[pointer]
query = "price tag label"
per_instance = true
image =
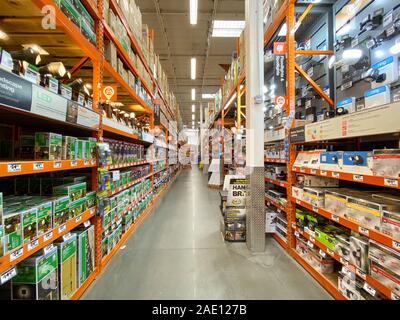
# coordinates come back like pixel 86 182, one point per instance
pixel 33 245
pixel 343 261
pixel 354 42
pixel 313 171
pixel 312 239
pixel 322 253
pixel 302 170
pixel 86 224
pixel 279 210
pixel 8 275
pixel 14 167
pixel 394 183
pixel 48 236
pixel 369 289
pixel 282 184
pixel 396 245
pixel 297 235
pixel 336 175
pixel 111 167
pixel 37 166
pixel 16 254
pixel 67 236
pixel 363 231
pixel 298 201
pixel 361 274
pixel 86 162
pixel 335 218
pixel 57 164
pixel 62 228
pixel 324 173
pixel 78 219
pixel 330 252
pixel 310 244
pixel 395 296
pixel 48 249
pixel 315 209
pixel 74 163
pixel 294 225
pixel 358 177
pixel 93 162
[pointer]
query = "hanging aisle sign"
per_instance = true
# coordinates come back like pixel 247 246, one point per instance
pixel 109 93
pixel 237 193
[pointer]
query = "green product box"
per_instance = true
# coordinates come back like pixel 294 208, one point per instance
pixel 113 214
pixel 106 219
pixel 67 271
pixel 124 178
pixel 87 30
pixel 69 9
pixel 83 12
pixel 114 202
pixel 120 209
pixel 68 148
pixel 126 222
pixel 91 151
pixel 36 277
pixel 60 211
pixel 48 146
pixel 85 262
pixel 80 149
pixel 87 155
pixel 75 191
pixel 327 235
pixel 91 199
pixel 29 223
pixel 104 246
pixel 12 229
pixel 44 217
pixel 77 207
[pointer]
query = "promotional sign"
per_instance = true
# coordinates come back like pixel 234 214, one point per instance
pixel 109 93
pixel 280 101
pixel 297 135
pixel 48 104
pixel 280 77
pixel 279 48
pixel 14 91
pixel 237 193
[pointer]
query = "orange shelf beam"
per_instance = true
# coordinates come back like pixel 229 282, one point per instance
pixel 126 165
pixel 128 185
pixel 275 160
pixel 17 168
pixel 10 260
pixel 85 285
pixel 279 183
pixel 281 242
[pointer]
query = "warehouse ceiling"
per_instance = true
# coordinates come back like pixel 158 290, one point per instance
pixel 177 41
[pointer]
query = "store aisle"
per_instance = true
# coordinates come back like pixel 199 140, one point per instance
pixel 178 253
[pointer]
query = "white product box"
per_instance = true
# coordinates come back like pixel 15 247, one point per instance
pixel 270 221
pixel 388 66
pixel 316 181
pixel 331 160
pixel 377 97
pixel 348 104
pixel 336 202
pixel 314 196
pixel 298 193
pixel 386 163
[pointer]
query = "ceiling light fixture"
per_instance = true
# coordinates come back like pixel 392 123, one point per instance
pixel 193 116
pixel 29 55
pixel 208 96
pixel 3 35
pixel 193 108
pixel 193 94
pixel 193 11
pixel 37 48
pixel 193 68
pixel 228 28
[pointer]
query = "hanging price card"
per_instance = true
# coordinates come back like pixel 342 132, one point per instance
pixel 363 231
pixel 312 239
pixel 13 167
pixel 296 234
pixel 315 209
pixel 16 254
pixel 322 253
pixel 37 166
pixel 302 170
pixel 369 289
pixel 57 164
pixel 8 275
pixel 86 162
pixel 48 249
pixel 358 177
pixel 391 183
pixel 86 223
pixel 361 274
pixel 33 245
pixel 310 244
pixel 67 236
pixel 298 201
pixel 313 171
pixel 330 252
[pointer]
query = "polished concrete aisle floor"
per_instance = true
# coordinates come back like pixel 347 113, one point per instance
pixel 178 253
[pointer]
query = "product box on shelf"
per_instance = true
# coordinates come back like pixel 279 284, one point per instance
pixel 331 160
pixel 67 271
pixel 386 163
pixel 348 104
pixel 60 210
pixel 77 207
pixel 357 162
pixel 44 216
pixel 390 223
pixel 314 159
pixel 314 196
pixel 90 199
pixel 312 256
pixel 377 97
pixel 75 191
pixel 342 246
pixel 385 276
pixel 85 241
pixel 327 235
pixel 48 146
pixel 68 148
pixel 1 226
pixel 297 192
pixel 29 223
pixel 359 252
pixel 12 225
pixel 80 149
pixel 66 91
pixel 348 287
pixel 336 201
pixel 385 256
pixel 36 277
pixel 270 220
pixel 300 218
pixel 316 181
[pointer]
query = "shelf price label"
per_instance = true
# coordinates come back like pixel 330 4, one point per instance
pixel 336 175
pixel 335 218
pixel 78 219
pixel 394 183
pixel 324 173
pixel 369 289
pixel 33 244
pixel 330 252
pixel 86 223
pixel 86 162
pixel 363 231
pixel 57 164
pixel 37 166
pixel 322 253
pixel 93 162
pixel 344 261
pixel 396 245
pixel 297 234
pixel 48 236
pixel 361 274
pixel 313 171
pixel 16 254
pixel 395 296
pixel 302 170
pixel 74 163
pixel 312 240
pixel 8 275
pixel 358 177
pixel 48 249
pixel 279 210
pixel 62 228
pixel 67 236
pixel 282 184
pixel 14 167
pixel 310 244
pixel 298 201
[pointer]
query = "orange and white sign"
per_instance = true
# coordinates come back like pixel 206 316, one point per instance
pixel 280 48
pixel 280 101
pixel 109 93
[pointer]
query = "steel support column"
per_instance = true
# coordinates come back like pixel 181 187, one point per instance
pixel 255 204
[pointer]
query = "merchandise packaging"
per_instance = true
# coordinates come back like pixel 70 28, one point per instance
pixel 68 148
pixel 12 224
pixel 314 160
pixel 386 163
pixel 85 263
pixel 385 276
pixel 26 147
pixel 314 196
pixel 67 271
pixel 31 73
pixel 75 191
pixel 316 181
pixel 342 246
pixel 270 221
pixel 1 226
pixel 6 60
pixel 297 192
pixel 44 217
pixel 389 67
pixel 386 257
pixel 359 252
pixel 390 224
pixel 77 207
pixel 377 97
pixel 48 146
pixel 300 218
pixel 348 287
pixel 312 256
pixel 66 91
pixel 91 199
pixel 331 160
pixel 60 211
pixel 327 235
pixel 80 149
pixel 36 277
pixel 357 162
pixel 348 104
pixel 336 201
pixel 29 223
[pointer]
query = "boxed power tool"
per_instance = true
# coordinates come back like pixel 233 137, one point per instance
pixel 385 276
pixel 29 223
pixel 77 207
pixel 67 271
pixel 357 162
pixel 36 277
pixel 331 160
pixel 48 146
pixel 315 181
pixel 348 286
pixel 327 235
pixel 377 97
pixel 359 252
pixel 323 265
pixel 336 201
pixel 91 199
pixel 68 148
pixel 314 196
pixel 85 264
pixel 75 191
pixel 346 106
pixel 60 210
pixel 342 246
pixel 385 256
pixel 390 223
pixel 12 225
pixel 386 163
pixel 44 216
pixel 298 192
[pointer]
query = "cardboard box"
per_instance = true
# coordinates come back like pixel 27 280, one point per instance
pixel 390 223
pixel 331 160
pixel 68 148
pixel 386 163
pixel 12 226
pixel 44 217
pixel 386 257
pixel 85 262
pixel 359 252
pixel 314 196
pixel 75 191
pixel 67 271
pixel 36 277
pixel 297 192
pixel 316 181
pixel 29 223
pixel 77 207
pixel 357 162
pixel 336 201
pixel 48 146
pixel 60 211
pixel 385 276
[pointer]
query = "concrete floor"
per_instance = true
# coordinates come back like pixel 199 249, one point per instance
pixel 178 253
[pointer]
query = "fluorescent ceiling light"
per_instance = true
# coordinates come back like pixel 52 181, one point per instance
pixel 208 96
pixel 193 12
pixel 193 116
pixel 351 56
pixel 193 94
pixel 193 108
pixel 265 89
pixel 228 28
pixel 193 68
pixel 283 30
